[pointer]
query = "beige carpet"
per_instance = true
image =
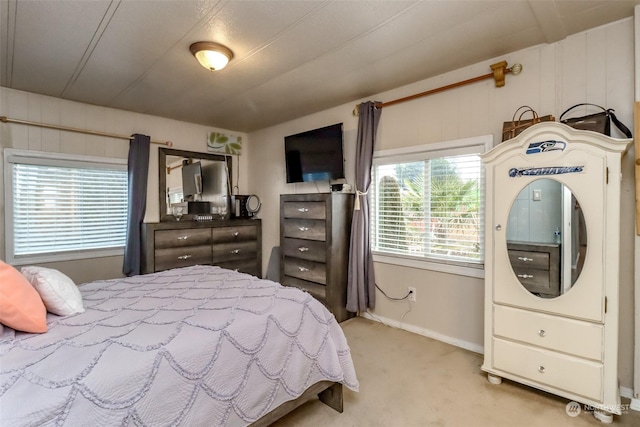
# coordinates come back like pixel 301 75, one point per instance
pixel 408 380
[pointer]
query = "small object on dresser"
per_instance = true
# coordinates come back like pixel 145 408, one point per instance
pixel 515 127
pixel 598 122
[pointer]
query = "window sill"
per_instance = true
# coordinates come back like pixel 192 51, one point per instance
pixel 458 270
pixel 69 256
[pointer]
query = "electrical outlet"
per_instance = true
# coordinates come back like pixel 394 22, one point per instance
pixel 412 294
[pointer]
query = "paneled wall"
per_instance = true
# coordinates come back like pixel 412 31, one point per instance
pixel 595 66
pixel 38 108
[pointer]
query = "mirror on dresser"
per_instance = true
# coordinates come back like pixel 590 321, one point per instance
pixel 546 238
pixel 192 183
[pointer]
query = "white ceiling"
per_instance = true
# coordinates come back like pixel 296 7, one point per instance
pixel 292 58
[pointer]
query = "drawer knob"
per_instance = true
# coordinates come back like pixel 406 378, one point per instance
pixel 303 210
pixel 303 249
pixel 235 251
pixel 525 259
pixel 525 276
pixel 303 269
pixel 185 237
pixel 236 234
pixel 184 257
pixel 542 332
pixel 498 227
pixel 541 369
pixel 303 228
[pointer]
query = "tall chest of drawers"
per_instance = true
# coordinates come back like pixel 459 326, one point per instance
pixel 232 244
pixel 315 230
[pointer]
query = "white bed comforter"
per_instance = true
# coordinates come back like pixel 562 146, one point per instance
pixel 197 346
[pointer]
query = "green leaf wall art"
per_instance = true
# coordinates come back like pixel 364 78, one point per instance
pixel 224 144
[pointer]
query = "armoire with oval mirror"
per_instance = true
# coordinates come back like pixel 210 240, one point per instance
pixel 552 242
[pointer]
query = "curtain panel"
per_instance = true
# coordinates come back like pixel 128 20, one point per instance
pixel 138 169
pixel 361 279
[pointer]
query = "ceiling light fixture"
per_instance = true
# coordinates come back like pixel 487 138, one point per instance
pixel 210 55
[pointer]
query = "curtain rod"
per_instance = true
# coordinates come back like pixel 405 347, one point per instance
pixel 5 119
pixel 499 71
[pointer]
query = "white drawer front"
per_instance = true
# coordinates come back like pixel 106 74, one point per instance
pixel 583 339
pixel 577 376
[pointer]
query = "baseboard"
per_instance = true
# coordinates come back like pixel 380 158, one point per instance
pixel 635 404
pixel 425 332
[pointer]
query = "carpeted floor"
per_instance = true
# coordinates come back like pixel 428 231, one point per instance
pixel 409 380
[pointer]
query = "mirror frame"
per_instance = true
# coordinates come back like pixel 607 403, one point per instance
pixel 162 175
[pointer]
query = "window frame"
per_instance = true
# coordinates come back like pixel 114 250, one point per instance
pixel 13 156
pixel 431 151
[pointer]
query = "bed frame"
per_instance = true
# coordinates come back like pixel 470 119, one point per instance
pixel 328 392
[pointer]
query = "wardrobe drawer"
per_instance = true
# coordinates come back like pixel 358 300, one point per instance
pixel 574 375
pixel 569 336
pixel 182 257
pixel 234 251
pixel 529 260
pixel 234 234
pixel 305 249
pixel 305 229
pixel 309 210
pixel 306 270
pixel 180 238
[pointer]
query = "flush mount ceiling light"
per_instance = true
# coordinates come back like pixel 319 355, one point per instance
pixel 210 55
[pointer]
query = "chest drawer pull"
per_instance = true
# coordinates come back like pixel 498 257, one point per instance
pixel 185 237
pixel 525 276
pixel 525 259
pixel 303 269
pixel 236 234
pixel 541 369
pixel 184 256
pixel 303 228
pixel 303 249
pixel 542 332
pixel 235 251
pixel 303 210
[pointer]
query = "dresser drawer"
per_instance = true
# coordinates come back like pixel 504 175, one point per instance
pixel 234 251
pixel 539 281
pixel 234 234
pixel 309 210
pixel 569 336
pixel 305 249
pixel 306 270
pixel 182 257
pixel 248 266
pixel 574 375
pixel 529 260
pixel 305 229
pixel 180 238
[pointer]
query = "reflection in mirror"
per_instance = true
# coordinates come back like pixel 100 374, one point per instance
pixel 193 183
pixel 546 238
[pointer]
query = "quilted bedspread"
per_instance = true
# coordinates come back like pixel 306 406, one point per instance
pixel 197 346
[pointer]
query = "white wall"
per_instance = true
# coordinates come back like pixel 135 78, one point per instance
pixel 45 109
pixel 595 66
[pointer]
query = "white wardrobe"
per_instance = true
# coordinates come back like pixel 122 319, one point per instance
pixel 552 263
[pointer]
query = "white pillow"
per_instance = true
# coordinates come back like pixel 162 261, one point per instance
pixel 58 292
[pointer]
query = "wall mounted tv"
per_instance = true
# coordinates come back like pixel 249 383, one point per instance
pixel 315 155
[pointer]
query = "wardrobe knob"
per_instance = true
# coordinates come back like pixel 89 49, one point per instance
pixel 542 332
pixel 541 369
pixel 498 227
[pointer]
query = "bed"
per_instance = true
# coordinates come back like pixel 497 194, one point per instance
pixel 192 346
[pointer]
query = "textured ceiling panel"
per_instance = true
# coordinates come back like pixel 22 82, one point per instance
pixel 292 57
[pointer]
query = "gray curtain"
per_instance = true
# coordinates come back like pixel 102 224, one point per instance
pixel 361 280
pixel 138 169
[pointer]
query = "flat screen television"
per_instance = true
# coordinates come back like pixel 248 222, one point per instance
pixel 191 180
pixel 315 155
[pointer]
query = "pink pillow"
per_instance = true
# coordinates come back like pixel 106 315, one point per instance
pixel 21 307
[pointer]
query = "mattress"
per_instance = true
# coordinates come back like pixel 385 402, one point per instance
pixel 193 346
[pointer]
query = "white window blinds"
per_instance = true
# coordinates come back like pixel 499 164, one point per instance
pixel 429 205
pixel 62 206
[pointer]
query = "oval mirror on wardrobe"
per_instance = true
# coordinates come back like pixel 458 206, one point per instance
pixel 546 238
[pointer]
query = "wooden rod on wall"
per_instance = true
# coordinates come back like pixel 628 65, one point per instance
pixel 5 119
pixel 498 72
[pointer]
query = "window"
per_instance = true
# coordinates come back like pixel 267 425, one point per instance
pixel 426 205
pixel 63 207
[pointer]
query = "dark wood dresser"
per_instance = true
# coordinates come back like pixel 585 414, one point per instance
pixel 315 230
pixel 234 244
pixel 537 266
